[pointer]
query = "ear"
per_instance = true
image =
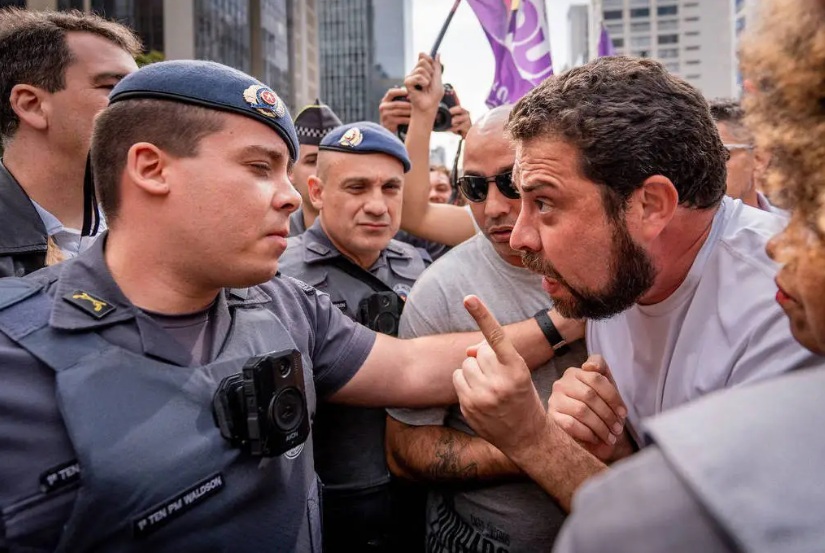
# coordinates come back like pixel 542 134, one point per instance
pixel 654 205
pixel 31 105
pixel 146 167
pixel 315 186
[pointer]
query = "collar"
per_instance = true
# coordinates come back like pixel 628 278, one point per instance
pixel 85 284
pixel 21 228
pixel 319 248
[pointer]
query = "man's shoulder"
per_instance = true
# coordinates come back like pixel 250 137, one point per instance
pixel 458 261
pixel 746 234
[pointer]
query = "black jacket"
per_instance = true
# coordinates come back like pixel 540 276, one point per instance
pixel 23 235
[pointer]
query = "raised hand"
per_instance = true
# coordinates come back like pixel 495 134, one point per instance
pixel 495 389
pixel 393 112
pixel 424 84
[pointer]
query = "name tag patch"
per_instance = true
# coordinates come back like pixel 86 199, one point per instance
pixel 342 305
pixel 162 514
pixel 60 476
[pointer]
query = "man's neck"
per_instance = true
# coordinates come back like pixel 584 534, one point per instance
pixel 147 279
pixel 365 260
pixel 676 251
pixel 51 180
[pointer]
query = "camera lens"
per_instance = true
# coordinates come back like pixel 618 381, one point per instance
pixel 284 367
pixel 443 119
pixel 286 410
pixel 386 323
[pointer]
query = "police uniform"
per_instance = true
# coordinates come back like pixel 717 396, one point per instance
pixel 106 422
pixel 349 441
pixel 312 124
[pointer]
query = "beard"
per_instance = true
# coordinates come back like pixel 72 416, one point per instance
pixel 631 275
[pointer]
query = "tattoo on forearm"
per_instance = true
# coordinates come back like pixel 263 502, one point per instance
pixel 447 464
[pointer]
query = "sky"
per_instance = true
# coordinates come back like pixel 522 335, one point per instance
pixel 466 55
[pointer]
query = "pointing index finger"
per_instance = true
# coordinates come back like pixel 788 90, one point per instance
pixel 491 329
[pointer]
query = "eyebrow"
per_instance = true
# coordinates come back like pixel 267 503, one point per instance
pixel 274 155
pixel 103 77
pixel 537 186
pixel 499 171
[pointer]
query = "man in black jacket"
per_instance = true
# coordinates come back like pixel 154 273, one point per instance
pixel 46 114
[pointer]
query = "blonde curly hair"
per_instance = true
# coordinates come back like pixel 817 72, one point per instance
pixel 783 56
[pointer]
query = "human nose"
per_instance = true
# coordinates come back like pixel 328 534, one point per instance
pixel 525 236
pixel 376 204
pixel 496 204
pixel 286 197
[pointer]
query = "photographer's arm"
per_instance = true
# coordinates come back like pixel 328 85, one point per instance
pixel 442 223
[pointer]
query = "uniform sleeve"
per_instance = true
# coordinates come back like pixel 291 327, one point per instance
pixel 636 507
pixel 415 323
pixel 341 346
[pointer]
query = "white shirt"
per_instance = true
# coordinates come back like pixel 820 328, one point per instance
pixel 69 240
pixel 722 327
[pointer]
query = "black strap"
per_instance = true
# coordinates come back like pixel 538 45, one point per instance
pixel 551 333
pixel 358 273
pixel 91 216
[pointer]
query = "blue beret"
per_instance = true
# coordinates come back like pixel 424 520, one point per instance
pixel 365 137
pixel 210 85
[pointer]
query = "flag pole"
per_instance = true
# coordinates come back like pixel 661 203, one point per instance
pixel 441 33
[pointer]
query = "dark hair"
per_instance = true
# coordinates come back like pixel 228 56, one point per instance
pixel 629 119
pixel 174 127
pixel 33 50
pixel 730 112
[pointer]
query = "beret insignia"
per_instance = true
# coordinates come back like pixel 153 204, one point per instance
pixel 352 138
pixel 264 100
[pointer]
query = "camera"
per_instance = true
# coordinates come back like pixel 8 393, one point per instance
pixel 443 119
pixel 381 312
pixel 263 410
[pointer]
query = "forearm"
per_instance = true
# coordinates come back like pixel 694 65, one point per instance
pixel 558 464
pixel 417 180
pixel 441 454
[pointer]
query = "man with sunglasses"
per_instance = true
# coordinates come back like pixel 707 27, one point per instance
pixel 478 499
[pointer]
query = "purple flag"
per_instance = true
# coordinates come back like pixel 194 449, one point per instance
pixel 605 44
pixel 521 46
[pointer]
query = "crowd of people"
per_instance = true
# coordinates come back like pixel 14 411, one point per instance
pixel 222 329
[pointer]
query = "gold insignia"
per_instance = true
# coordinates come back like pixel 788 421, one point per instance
pixel 264 100
pixel 98 305
pixel 88 303
pixel 352 138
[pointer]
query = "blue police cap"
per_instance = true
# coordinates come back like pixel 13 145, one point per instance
pixel 365 137
pixel 210 85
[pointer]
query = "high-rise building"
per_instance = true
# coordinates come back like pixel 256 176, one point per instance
pixel 303 51
pixel 347 54
pixel 364 45
pixel 255 36
pixel 692 38
pixel 578 28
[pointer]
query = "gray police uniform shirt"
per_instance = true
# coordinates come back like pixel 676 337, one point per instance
pixel 100 461
pixel 736 471
pixel 349 441
pixel 507 516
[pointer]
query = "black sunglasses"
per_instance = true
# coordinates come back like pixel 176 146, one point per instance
pixel 475 188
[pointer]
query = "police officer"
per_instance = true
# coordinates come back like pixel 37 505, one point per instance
pixel 110 361
pixel 311 125
pixel 350 254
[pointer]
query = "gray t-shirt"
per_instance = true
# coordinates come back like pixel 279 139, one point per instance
pixel 510 516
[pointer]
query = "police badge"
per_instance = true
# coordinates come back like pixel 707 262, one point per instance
pixel 352 138
pixel 264 100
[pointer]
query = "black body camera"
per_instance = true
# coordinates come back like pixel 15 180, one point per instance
pixel 263 409
pixel 443 119
pixel 381 312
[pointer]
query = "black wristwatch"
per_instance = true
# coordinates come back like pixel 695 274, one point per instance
pixel 551 333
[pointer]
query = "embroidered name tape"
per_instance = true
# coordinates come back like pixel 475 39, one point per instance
pixel 60 476
pixel 162 514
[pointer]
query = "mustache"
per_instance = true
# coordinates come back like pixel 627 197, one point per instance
pixel 533 261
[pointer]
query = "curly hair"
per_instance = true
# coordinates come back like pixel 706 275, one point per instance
pixel 783 55
pixel 629 119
